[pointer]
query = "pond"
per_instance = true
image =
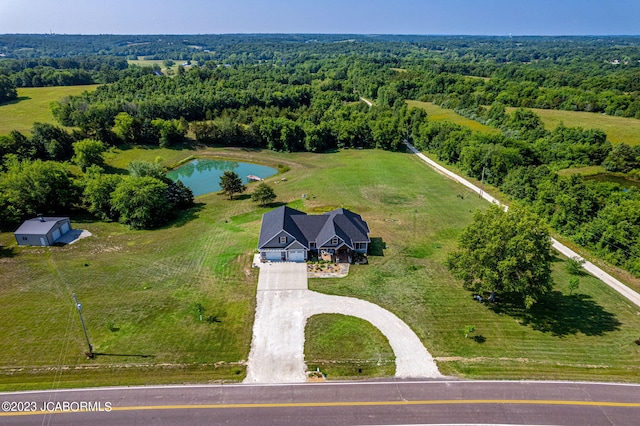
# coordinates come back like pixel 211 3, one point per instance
pixel 203 176
pixel 620 180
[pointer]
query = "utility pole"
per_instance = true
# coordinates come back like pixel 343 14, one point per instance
pixel 79 307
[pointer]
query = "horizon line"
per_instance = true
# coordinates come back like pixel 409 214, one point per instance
pixel 510 35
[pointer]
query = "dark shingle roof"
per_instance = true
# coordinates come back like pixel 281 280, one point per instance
pixel 345 224
pixel 310 226
pixel 349 224
pixel 277 220
pixel 355 218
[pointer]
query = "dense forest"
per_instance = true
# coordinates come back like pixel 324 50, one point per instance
pixel 304 92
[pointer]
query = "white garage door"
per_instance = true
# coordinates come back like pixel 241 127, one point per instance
pixel 56 234
pixel 65 227
pixel 273 255
pixel 296 255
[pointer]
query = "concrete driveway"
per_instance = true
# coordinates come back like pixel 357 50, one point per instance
pixel 284 304
pixel 282 276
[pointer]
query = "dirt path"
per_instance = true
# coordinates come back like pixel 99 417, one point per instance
pixel 283 306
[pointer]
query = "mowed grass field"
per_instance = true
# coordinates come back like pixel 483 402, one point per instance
pixel 141 290
pixel 618 129
pixel 588 335
pixel 437 113
pixel 33 106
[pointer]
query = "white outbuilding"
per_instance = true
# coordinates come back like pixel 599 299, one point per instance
pixel 42 231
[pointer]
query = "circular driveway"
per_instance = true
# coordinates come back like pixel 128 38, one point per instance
pixel 284 304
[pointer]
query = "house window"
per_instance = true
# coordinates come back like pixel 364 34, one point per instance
pixel 283 240
pixel 334 241
pixel 312 245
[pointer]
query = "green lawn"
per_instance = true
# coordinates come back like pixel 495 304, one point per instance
pixel 437 113
pixel 618 129
pixel 362 350
pixel 33 106
pixel 140 289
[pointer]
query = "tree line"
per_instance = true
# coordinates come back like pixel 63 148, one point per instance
pixel 601 216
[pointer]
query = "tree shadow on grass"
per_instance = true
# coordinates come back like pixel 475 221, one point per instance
pixel 238 197
pixel 186 216
pixel 7 252
pixel 555 258
pixel 16 101
pixel 274 205
pixel 562 315
pixel 377 246
pixel 479 338
pixel 114 170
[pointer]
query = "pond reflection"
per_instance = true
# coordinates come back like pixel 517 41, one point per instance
pixel 203 176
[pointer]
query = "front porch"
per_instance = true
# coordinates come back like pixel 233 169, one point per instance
pixel 341 255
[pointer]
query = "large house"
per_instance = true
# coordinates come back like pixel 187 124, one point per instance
pixel 42 231
pixel 291 235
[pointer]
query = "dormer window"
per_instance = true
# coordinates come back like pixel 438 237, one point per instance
pixel 283 240
pixel 334 241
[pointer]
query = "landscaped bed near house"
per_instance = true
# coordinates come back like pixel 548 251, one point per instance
pixel 143 291
pixel 327 270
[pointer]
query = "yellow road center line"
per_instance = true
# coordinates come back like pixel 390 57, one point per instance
pixel 345 404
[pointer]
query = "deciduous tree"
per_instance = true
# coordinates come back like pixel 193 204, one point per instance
pixel 141 168
pixel 263 194
pixel 505 252
pixel 97 195
pixel 177 193
pixel 124 127
pixel 88 152
pixel 142 202
pixel 231 184
pixel 7 90
pixel 28 188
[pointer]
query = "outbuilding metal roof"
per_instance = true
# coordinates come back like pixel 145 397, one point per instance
pixel 39 225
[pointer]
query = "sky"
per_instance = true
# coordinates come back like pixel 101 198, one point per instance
pixel 463 17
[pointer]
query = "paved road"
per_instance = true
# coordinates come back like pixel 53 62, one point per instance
pixel 396 402
pixel 618 286
pixel 283 306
